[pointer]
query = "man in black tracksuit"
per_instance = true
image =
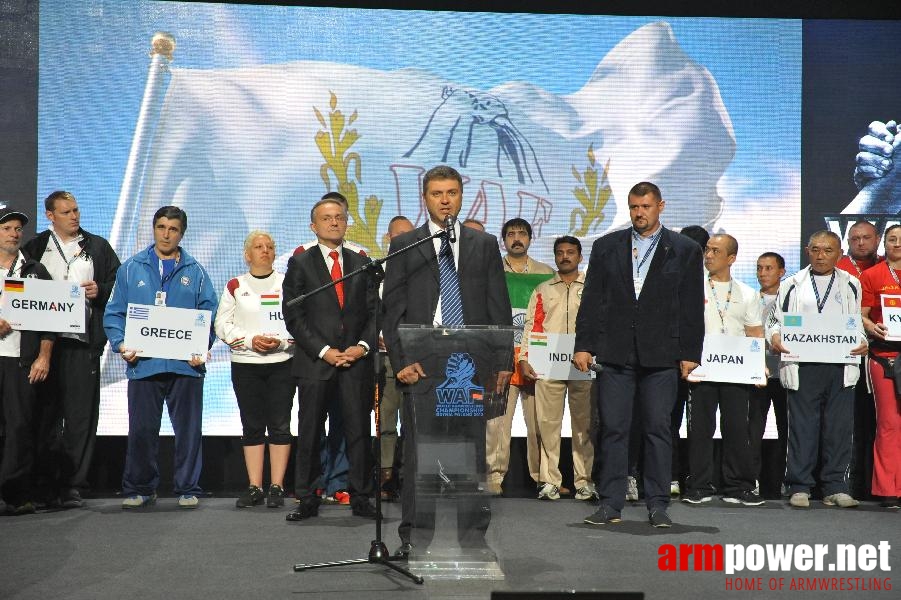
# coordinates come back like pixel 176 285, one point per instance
pixel 24 361
pixel 70 399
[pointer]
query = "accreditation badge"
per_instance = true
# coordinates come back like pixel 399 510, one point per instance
pixel 638 282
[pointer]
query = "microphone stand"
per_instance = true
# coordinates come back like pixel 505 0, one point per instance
pixel 378 551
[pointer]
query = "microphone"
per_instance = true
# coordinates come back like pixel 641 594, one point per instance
pixel 449 228
pixel 593 366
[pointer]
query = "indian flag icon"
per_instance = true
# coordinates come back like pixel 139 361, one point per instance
pixel 538 339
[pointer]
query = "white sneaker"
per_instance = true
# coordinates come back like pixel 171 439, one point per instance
pixel 549 491
pixel 587 492
pixel 138 501
pixel 842 500
pixel 188 501
pixel 632 489
pixel 800 500
pixel 674 489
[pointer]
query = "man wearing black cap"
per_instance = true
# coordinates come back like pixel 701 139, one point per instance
pixel 70 399
pixel 24 361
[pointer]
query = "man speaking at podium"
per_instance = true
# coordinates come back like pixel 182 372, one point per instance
pixel 455 280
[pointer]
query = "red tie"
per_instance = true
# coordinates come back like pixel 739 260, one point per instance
pixel 336 275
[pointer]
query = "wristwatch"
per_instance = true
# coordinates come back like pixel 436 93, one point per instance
pixel 365 349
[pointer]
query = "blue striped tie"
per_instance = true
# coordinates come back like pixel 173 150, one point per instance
pixel 451 303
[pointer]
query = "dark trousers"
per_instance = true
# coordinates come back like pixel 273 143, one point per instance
pixel 821 409
pixel 761 399
pixel 17 398
pixel 265 394
pixel 418 504
pixel 316 400
pixel 655 392
pixel 635 444
pixel 635 436
pixel 333 454
pixel 732 400
pixel 678 413
pixel 70 406
pixel 861 476
pixel 183 396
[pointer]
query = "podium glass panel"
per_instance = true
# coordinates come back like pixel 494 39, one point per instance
pixel 452 510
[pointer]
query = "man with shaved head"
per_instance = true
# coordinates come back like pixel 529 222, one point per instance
pixel 730 308
pixel 863 243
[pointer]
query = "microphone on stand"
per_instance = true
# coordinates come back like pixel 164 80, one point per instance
pixel 449 228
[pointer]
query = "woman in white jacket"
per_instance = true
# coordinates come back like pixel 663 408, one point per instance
pixel 250 321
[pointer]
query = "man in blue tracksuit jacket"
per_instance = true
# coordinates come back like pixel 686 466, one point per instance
pixel 163 275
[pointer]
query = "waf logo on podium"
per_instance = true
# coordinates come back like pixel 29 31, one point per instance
pixel 458 395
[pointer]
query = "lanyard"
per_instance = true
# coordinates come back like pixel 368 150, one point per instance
pixel 165 280
pixel 721 311
pixel 816 292
pixel 63 255
pixel 854 262
pixel 647 253
pixel 893 274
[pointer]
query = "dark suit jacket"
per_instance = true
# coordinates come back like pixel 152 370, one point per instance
pixel 319 321
pixel 667 319
pixel 412 289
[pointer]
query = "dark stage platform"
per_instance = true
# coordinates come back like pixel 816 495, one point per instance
pixel 217 551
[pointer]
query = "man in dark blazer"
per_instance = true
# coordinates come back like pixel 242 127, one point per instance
pixel 642 317
pixel 412 295
pixel 334 331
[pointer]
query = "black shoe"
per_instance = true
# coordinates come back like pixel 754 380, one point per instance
pixel 749 498
pixel 251 497
pixel 363 508
pixel 72 499
pixel 696 497
pixel 304 510
pixel 276 497
pixel 890 502
pixel 659 518
pixel 603 516
pixel 404 551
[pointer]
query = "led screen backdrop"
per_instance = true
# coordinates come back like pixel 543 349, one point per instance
pixel 261 110
pixel 849 81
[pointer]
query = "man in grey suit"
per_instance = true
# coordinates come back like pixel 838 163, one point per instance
pixel 642 316
pixel 415 294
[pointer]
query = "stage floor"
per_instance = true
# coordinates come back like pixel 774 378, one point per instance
pixel 217 551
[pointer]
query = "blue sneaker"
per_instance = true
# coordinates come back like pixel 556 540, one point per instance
pixel 138 501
